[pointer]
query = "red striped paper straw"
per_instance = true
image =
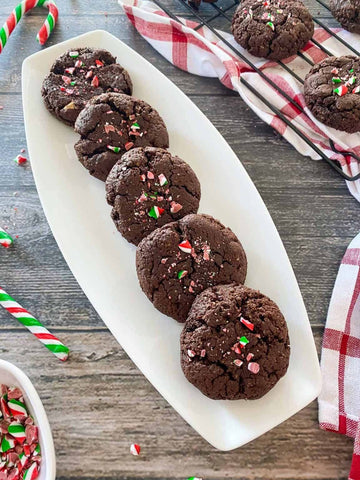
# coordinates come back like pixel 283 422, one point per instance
pixel 36 328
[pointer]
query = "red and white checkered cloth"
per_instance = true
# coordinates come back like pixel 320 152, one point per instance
pixel 200 52
pixel 339 401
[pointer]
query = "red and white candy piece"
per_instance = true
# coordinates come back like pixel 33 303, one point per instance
pixel 17 431
pixel 341 91
pixel 32 472
pixel 7 443
pixel 5 239
pixel 175 207
pixel 4 408
pixel 95 82
pixel 23 459
pixel 135 449
pixel 356 89
pixel 253 367
pixel 27 450
pixel 237 349
pixel 191 353
pixel 162 180
pixel 20 159
pixel 238 362
pixel 185 246
pixel 109 128
pixel 247 323
pixel 17 408
pixel 156 212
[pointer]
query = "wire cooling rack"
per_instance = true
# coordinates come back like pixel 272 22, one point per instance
pixel 216 17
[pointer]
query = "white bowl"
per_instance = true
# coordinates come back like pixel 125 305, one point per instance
pixel 11 375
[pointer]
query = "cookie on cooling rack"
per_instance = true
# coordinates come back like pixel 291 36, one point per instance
pixel 110 125
pixel 332 92
pixel 274 29
pixel 148 188
pixel 234 344
pixel 347 13
pixel 78 75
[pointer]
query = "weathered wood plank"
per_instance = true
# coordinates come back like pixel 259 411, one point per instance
pixel 98 403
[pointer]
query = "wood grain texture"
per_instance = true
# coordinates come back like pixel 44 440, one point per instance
pixel 98 403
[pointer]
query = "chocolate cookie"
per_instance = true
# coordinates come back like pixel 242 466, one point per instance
pixel 274 29
pixel 234 344
pixel 347 13
pixel 79 75
pixel 148 188
pixel 332 92
pixel 112 124
pixel 181 259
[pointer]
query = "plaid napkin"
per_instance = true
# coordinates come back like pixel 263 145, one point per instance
pixel 202 53
pixel 339 401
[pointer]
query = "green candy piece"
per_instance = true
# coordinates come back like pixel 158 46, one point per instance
pixel 181 274
pixel 336 80
pixel 6 445
pixel 243 340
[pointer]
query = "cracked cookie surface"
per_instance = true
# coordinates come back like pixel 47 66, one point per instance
pixel 234 343
pixel 332 92
pixel 78 75
pixel 347 13
pixel 181 259
pixel 274 29
pixel 147 188
pixel 110 125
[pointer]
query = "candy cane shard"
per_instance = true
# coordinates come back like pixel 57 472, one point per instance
pixel 23 7
pixel 5 238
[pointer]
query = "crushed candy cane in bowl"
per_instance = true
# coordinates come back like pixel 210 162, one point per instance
pixel 26 444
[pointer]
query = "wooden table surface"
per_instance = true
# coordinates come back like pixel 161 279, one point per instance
pixel 99 403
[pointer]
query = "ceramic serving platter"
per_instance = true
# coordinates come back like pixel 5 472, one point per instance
pixel 104 263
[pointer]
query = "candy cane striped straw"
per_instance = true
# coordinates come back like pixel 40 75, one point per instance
pixel 35 327
pixel 16 15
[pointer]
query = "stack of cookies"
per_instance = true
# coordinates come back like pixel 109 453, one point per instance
pixel 235 341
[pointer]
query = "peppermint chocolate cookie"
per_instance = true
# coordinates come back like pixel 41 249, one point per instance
pixel 332 92
pixel 181 259
pixel 148 188
pixel 110 125
pixel 347 13
pixel 274 29
pixel 234 344
pixel 79 75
